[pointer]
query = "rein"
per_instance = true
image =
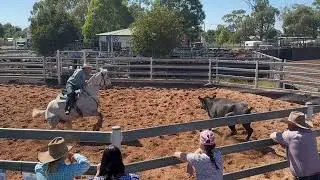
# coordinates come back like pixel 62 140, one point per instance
pixel 102 80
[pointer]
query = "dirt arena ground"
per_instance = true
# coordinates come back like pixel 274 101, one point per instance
pixel 138 108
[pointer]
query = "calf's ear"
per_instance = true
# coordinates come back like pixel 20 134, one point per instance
pixel 200 98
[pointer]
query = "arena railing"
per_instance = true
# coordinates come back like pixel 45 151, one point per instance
pixel 118 137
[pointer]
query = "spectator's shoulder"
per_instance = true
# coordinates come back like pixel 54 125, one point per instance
pixel 217 152
pixel 134 176
pixel 40 167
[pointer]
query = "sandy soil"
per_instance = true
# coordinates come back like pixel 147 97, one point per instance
pixel 139 108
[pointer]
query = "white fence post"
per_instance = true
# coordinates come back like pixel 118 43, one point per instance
pixel 84 57
pixel 151 68
pixel 116 136
pixel 210 72
pixel 309 106
pixel 256 77
pixel 217 72
pixel 97 64
pixel 58 67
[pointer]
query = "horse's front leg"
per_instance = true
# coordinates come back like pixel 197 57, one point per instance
pixel 98 125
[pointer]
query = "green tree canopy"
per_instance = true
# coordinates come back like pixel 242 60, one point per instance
pixel 51 27
pixel 192 13
pixel 1 31
pixel 156 33
pixel 223 35
pixel 210 36
pixel 104 16
pixel 10 31
pixel 301 20
pixel 247 28
pixel 264 16
pixel 234 19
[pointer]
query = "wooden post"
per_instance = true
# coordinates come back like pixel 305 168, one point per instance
pixel 309 106
pixel 116 136
pixel 58 67
pixel 256 77
pixel 210 72
pixel 282 76
pixel 151 68
pixel 111 44
pixel 217 72
pixel 97 64
pixel 44 68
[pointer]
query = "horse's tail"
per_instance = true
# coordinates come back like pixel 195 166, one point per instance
pixel 38 113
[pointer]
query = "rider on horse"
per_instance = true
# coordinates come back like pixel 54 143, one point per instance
pixel 75 82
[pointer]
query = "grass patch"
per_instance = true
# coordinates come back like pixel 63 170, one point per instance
pixel 262 84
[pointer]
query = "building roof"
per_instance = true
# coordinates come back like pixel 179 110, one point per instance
pixel 121 32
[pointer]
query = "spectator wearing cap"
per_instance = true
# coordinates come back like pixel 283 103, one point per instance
pixel 301 146
pixel 206 161
pixel 52 164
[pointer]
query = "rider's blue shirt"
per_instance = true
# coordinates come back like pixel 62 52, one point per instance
pixel 78 78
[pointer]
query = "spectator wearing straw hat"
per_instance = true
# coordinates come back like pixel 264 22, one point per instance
pixel 52 162
pixel 207 161
pixel 301 145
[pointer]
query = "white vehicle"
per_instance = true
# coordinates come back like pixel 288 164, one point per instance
pixel 21 43
pixel 252 44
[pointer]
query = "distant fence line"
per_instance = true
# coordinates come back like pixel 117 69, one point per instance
pixel 259 71
pixel 118 137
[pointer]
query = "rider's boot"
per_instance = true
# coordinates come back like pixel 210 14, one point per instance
pixel 68 107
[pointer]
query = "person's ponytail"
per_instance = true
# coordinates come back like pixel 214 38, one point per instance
pixel 209 150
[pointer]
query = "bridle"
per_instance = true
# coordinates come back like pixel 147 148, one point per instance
pixel 102 80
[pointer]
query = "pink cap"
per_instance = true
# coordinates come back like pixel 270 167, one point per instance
pixel 207 138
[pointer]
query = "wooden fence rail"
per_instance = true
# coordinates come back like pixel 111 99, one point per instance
pixel 136 134
pixel 245 72
pixel 132 135
pixel 27 166
pixel 116 137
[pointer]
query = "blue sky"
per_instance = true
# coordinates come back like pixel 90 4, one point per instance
pixel 18 11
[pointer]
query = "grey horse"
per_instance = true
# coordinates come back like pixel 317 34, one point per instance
pixel 223 107
pixel 87 102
